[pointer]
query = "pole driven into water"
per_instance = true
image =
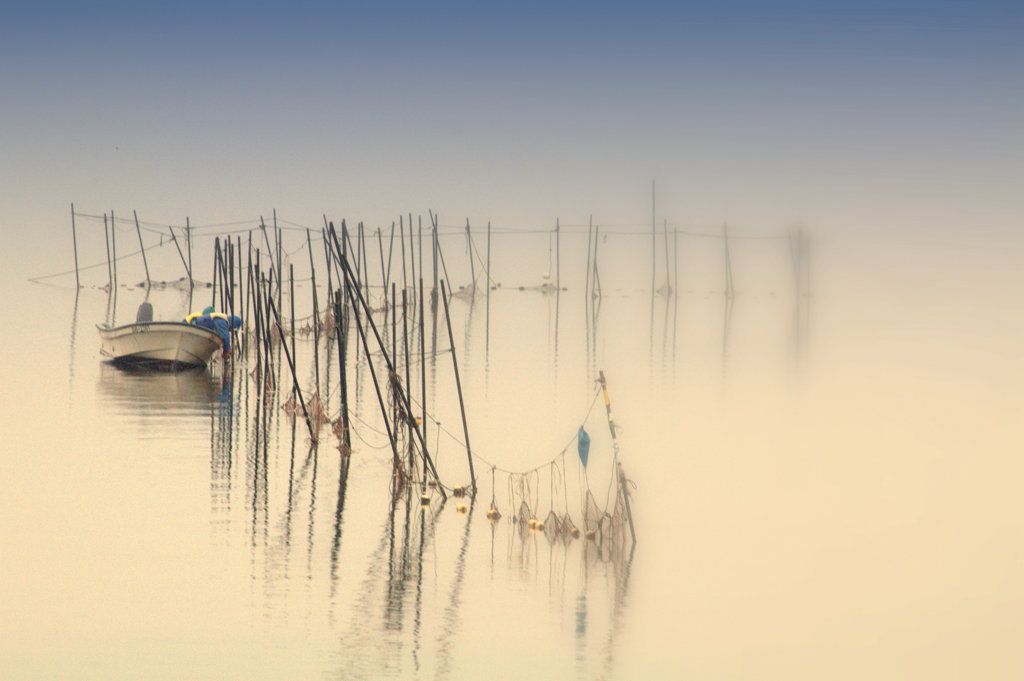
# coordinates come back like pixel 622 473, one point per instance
pixel 74 243
pixel 558 255
pixel 458 387
pixel 488 283
pixel 142 248
pixel 113 247
pixel 110 272
pixel 188 238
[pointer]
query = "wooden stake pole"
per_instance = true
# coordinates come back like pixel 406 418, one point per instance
pixel 405 346
pixel 316 315
pixel 356 295
pixel 472 266
pixel 142 248
pixel 488 282
pixel 590 240
pixel 728 262
pixel 188 238
pixel 74 243
pixel 113 247
pixel 654 244
pixel 558 255
pixel 458 387
pixel 110 272
pixel 291 364
pixel 667 268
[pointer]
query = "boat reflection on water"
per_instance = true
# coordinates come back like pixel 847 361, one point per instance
pixel 160 393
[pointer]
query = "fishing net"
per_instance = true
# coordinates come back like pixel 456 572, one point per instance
pixel 522 520
pixel 552 527
pixel 591 513
pixel 569 529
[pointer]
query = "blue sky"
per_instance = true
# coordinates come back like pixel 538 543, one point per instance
pixel 759 113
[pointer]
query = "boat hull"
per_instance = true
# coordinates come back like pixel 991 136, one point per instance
pixel 161 345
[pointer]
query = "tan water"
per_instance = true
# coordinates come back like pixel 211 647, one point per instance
pixel 826 487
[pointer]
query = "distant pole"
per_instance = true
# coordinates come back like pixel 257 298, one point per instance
pixel 142 248
pixel 74 243
pixel 110 272
pixel 728 262
pixel 458 387
pixel 590 238
pixel 667 268
pixel 188 239
pixel 488 334
pixel 444 267
pixel 472 266
pixel 654 243
pixel 113 246
pixel 558 255
pixel 675 258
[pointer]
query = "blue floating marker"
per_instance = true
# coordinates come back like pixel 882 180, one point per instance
pixel 583 444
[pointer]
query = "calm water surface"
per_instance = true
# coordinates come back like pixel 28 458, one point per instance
pixel 825 488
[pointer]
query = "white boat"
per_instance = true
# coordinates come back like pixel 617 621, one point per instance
pixel 165 345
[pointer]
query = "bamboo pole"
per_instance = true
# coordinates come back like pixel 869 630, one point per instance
pixel 110 272
pixel 74 243
pixel 667 268
pixel 458 387
pixel 188 237
pixel 291 363
pixel 558 255
pixel 728 262
pixel 316 315
pixel 405 347
pixel 340 300
pixel 113 247
pixel 488 325
pixel 423 366
pixel 181 255
pixel 291 302
pixel 472 266
pixel 356 295
pixel 142 248
pixel 654 244
pixel 590 238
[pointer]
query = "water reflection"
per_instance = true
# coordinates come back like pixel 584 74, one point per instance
pixel 403 598
pixel 160 394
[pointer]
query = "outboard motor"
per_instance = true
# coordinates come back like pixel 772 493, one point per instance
pixel 145 313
